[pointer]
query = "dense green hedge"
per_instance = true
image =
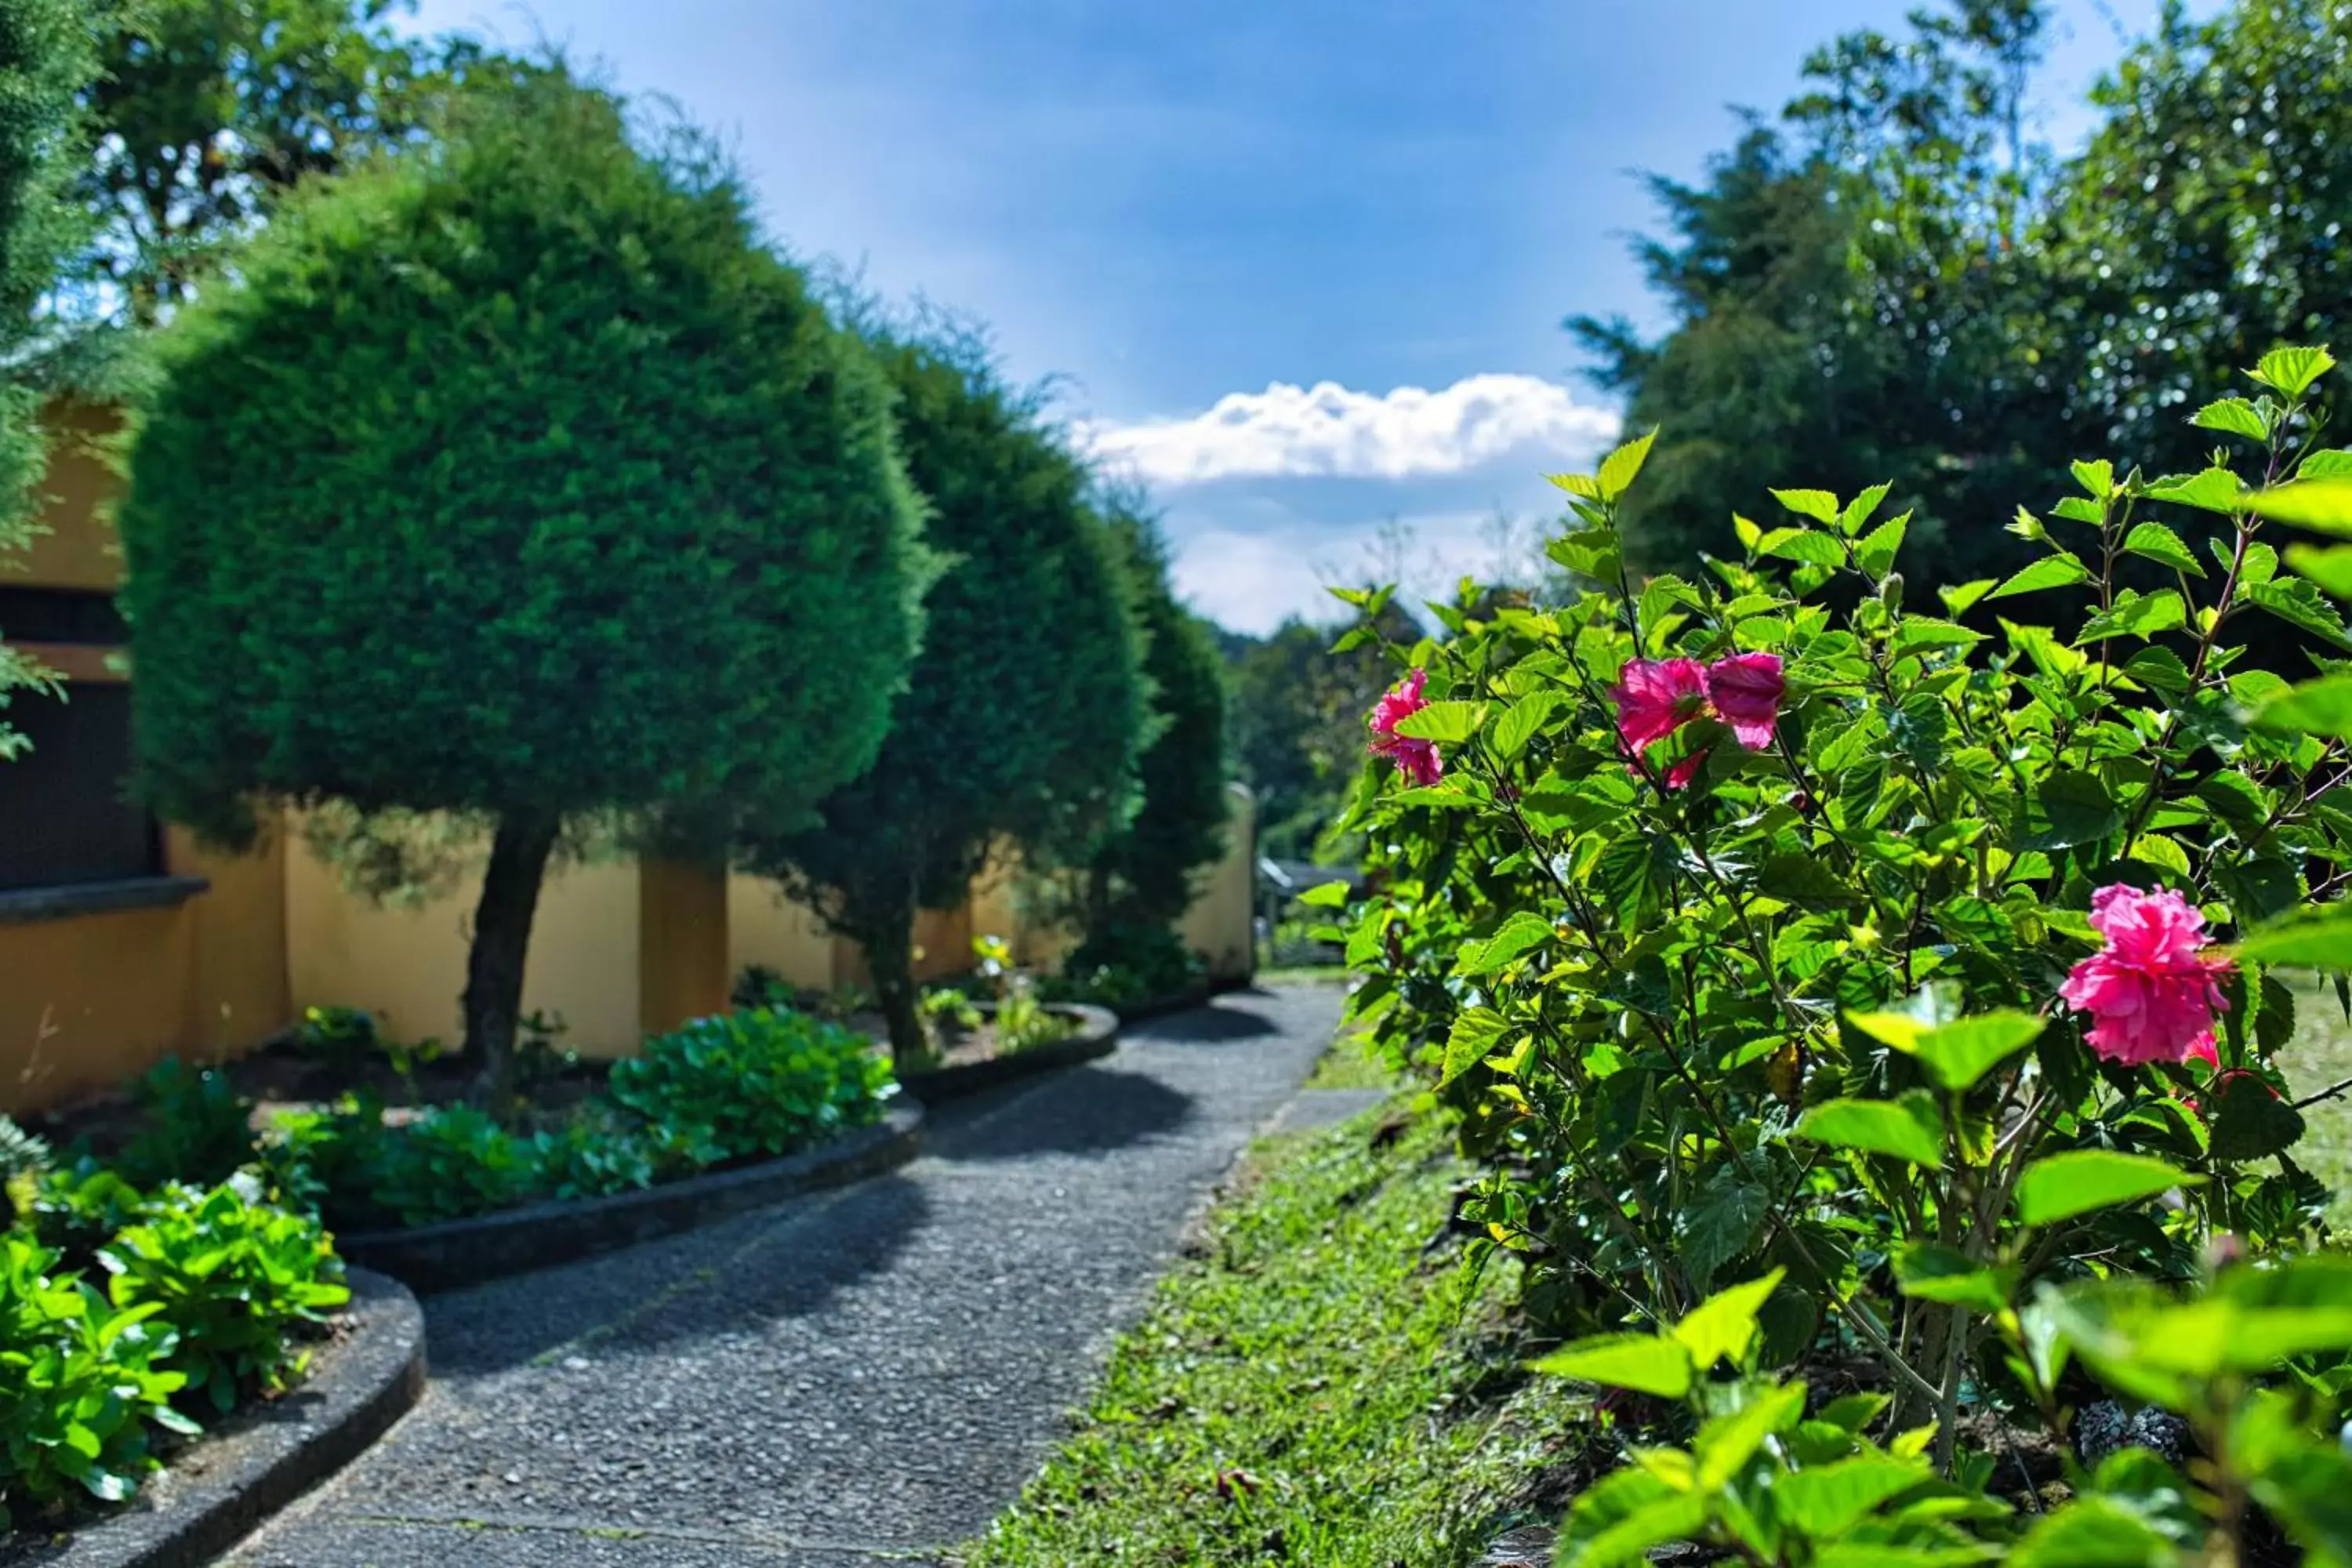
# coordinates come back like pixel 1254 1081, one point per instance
pixel 1021 718
pixel 514 476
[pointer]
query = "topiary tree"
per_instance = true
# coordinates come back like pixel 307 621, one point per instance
pixel 512 477
pixel 1023 713
pixel 1137 880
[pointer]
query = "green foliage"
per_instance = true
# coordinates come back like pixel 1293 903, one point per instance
pixel 1766 1479
pixel 234 1277
pixel 1119 966
pixel 741 1084
pixel 81 1381
pixel 207 114
pixel 1311 1385
pixel 1023 1021
pixel 613 520
pixel 197 1127
pixel 204 1290
pixel 759 986
pixel 1021 722
pixel 490 619
pixel 1890 283
pixel 446 1165
pixel 597 1153
pixel 21 1153
pixel 46 59
pixel 1141 874
pixel 1296 716
pixel 1715 1008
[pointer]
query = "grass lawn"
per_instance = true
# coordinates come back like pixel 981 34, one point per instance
pixel 1351 1064
pixel 1301 974
pixel 2321 1055
pixel 1313 1387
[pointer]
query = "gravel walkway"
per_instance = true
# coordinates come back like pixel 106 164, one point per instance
pixel 846 1381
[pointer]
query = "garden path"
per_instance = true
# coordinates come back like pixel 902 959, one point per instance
pixel 842 1381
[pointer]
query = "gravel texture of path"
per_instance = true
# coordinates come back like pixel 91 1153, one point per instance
pixel 848 1379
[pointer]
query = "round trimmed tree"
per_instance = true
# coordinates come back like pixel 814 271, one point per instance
pixel 1140 878
pixel 1021 720
pixel 512 476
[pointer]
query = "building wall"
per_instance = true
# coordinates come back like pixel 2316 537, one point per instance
pixel 1218 925
pixel 766 929
pixel 407 965
pixel 90 999
pixel 79 550
pixel 683 968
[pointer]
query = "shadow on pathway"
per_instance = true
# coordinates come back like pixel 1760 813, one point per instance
pixel 851 1379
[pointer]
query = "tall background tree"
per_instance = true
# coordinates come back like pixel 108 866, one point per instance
pixel 1297 726
pixel 1853 300
pixel 1021 722
pixel 1892 283
pixel 1138 879
pixel 46 59
pixel 512 476
pixel 208 112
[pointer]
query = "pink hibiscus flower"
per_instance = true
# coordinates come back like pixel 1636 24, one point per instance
pixel 2151 992
pixel 1746 690
pixel 1416 760
pixel 1656 697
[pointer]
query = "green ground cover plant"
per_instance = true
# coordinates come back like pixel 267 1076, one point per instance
pixel 128 1319
pixel 1772 925
pixel 748 1084
pixel 1320 1382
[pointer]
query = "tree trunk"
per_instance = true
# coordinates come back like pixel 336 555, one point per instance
pixel 494 964
pixel 891 960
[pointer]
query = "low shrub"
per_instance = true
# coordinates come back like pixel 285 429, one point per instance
pixel 198 1127
pixel 598 1152
pixel 1776 926
pixel 2253 1363
pixel 1023 1023
pixel 1125 965
pixel 76 1209
pixel 82 1382
pixel 764 1081
pixel 234 1277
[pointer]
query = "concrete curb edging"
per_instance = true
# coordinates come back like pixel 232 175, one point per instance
pixel 230 1482
pixel 1097 1035
pixel 513 1241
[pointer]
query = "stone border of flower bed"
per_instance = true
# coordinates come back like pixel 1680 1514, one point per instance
pixel 223 1487
pixel 1097 1035
pixel 513 1241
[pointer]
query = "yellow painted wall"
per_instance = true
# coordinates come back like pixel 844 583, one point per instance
pixel 682 956
pixel 765 927
pixel 90 1001
pixel 238 993
pixel 407 966
pixel 79 550
pixel 1218 923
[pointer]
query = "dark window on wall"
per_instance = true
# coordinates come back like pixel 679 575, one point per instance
pixel 63 814
pixel 61 615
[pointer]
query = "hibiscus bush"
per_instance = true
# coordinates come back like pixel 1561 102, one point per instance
pixel 1774 922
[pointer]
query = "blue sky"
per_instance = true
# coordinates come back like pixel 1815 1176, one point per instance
pixel 1301 263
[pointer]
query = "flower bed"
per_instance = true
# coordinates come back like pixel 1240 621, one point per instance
pixel 131 1319
pixel 721 1092
pixel 1825 982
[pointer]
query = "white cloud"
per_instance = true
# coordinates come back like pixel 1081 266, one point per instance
pixel 1252 579
pixel 1330 431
